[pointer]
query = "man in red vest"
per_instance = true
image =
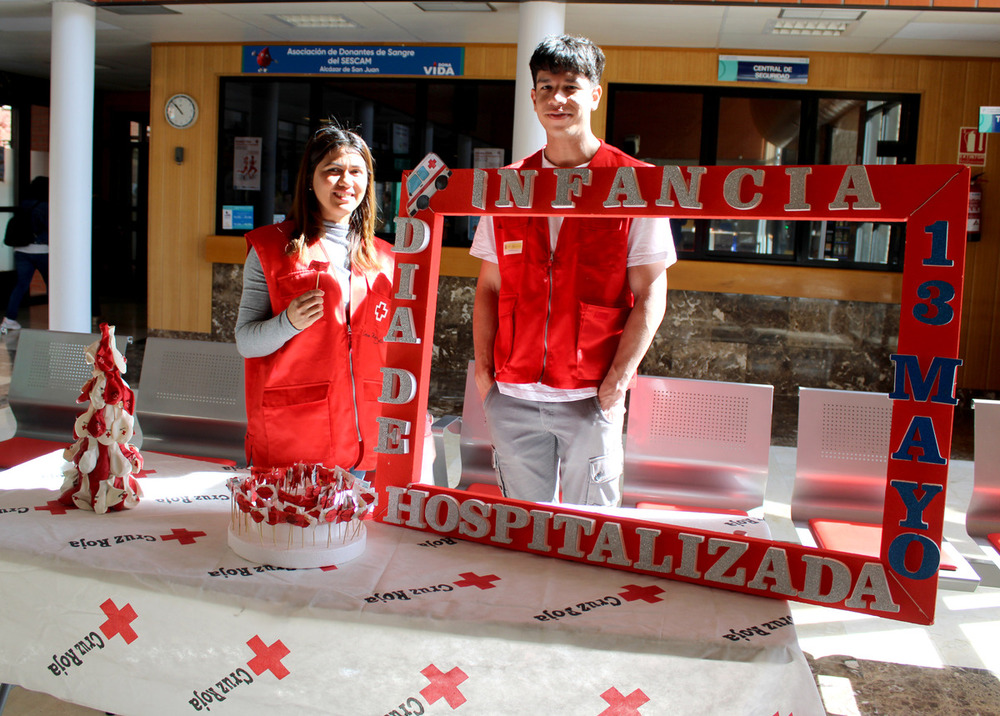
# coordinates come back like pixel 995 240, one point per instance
pixel 565 308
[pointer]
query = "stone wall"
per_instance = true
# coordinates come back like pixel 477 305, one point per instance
pixel 784 342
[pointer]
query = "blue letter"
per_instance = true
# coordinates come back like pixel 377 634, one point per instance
pixel 914 437
pixel 929 561
pixel 914 507
pixel 942 370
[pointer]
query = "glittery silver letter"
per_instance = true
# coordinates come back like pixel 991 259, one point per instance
pixel 392 436
pixel 412 235
pixel 797 188
pixel 405 292
pixel 687 194
pixel 855 183
pixel 872 583
pixel 840 579
pixel 398 386
pixel 512 188
pixel 479 179
pixel 731 187
pixel 402 328
pixel 625 183
pixel 570 181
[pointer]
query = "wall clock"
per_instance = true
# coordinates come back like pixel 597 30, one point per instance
pixel 181 111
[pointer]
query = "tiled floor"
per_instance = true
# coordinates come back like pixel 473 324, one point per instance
pixel 863 665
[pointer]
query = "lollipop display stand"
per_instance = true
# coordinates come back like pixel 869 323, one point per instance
pixel 299 517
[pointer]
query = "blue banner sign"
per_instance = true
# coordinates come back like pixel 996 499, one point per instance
pixel 353 60
pixel 989 120
pixel 785 70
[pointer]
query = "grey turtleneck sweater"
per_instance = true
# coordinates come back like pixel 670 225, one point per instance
pixel 258 332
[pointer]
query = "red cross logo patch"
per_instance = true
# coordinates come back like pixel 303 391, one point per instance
pixel 55 507
pixel 268 658
pixel 620 705
pixel 381 311
pixel 471 579
pixel 633 592
pixel 119 621
pixel 183 536
pixel 444 686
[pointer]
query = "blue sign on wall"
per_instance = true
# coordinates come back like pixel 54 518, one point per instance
pixel 785 70
pixel 989 120
pixel 353 60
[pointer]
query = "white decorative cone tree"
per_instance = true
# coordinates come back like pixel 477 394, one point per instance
pixel 101 465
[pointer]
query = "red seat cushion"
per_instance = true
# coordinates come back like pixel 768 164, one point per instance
pixel 17 450
pixel 689 508
pixel 856 538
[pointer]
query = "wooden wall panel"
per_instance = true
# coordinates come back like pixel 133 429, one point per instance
pixel 182 198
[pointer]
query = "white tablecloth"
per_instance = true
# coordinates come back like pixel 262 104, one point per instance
pixel 149 612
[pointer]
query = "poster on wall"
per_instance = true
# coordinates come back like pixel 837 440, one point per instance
pixel 353 60
pixel 237 217
pixel 246 163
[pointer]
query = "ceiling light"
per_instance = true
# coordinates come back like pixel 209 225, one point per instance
pixel 816 28
pixel 455 6
pixel 140 10
pixel 799 13
pixel 316 20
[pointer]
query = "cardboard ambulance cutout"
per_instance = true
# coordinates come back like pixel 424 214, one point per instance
pixel 902 583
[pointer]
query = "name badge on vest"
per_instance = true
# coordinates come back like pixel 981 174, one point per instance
pixel 512 247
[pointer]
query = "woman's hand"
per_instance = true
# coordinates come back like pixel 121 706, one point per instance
pixel 306 309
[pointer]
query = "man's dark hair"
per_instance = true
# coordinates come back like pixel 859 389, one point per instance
pixel 566 53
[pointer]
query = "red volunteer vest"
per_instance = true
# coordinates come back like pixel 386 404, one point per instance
pixel 561 314
pixel 315 399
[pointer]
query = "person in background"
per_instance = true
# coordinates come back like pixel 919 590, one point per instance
pixel 34 256
pixel 565 309
pixel 315 306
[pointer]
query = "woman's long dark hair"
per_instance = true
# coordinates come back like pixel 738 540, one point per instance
pixel 306 214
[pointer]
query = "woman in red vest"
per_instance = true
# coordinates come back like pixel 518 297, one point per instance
pixel 316 302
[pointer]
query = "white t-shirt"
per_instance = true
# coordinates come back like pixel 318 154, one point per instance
pixel 649 241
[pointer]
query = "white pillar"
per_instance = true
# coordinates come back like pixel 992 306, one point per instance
pixel 536 20
pixel 71 165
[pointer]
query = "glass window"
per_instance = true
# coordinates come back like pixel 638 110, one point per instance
pixel 721 126
pixel 401 120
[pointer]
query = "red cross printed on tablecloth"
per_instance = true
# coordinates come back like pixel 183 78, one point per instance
pixel 444 685
pixel 183 536
pixel 471 579
pixel 268 658
pixel 55 507
pixel 621 705
pixel 119 621
pixel 633 592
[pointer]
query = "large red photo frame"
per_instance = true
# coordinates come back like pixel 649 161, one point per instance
pixel 902 583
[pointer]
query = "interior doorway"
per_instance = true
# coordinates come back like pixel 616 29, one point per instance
pixel 120 213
